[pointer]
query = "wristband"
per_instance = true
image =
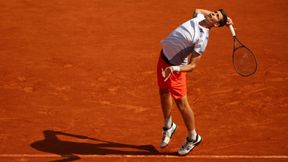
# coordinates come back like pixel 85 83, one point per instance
pixel 175 68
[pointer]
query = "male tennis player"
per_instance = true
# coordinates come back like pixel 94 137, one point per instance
pixel 182 50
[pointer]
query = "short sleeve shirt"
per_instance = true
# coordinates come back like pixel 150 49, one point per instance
pixel 188 37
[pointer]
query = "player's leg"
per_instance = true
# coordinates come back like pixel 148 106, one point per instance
pixel 193 139
pixel 186 112
pixel 166 105
pixel 169 127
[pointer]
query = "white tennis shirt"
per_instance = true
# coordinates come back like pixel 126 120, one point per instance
pixel 188 37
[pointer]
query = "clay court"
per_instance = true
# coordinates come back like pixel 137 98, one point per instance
pixel 78 82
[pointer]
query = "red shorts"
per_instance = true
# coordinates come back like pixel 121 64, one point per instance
pixel 176 83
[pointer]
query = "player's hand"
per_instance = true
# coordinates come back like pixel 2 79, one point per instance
pixel 166 73
pixel 229 21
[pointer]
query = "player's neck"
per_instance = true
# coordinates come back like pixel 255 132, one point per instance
pixel 206 24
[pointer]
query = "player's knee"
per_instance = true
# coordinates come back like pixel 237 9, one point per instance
pixel 182 103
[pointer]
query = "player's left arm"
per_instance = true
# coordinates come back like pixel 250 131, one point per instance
pixel 194 59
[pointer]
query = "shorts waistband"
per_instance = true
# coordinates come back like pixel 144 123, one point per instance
pixel 164 58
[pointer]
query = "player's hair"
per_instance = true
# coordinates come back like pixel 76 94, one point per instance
pixel 223 21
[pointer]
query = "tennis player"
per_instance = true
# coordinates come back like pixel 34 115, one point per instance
pixel 181 52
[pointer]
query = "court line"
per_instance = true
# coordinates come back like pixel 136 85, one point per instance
pixel 150 156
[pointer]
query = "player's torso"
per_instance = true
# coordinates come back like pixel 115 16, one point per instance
pixel 183 40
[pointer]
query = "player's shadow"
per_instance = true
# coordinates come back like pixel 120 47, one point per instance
pixel 92 146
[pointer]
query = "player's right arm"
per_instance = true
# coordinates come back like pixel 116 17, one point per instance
pixel 202 11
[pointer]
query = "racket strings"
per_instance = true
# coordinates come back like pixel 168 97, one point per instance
pixel 244 61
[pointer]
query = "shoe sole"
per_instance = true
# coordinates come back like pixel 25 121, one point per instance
pixel 192 148
pixel 170 137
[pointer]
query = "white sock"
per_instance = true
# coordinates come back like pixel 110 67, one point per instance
pixel 168 122
pixel 192 135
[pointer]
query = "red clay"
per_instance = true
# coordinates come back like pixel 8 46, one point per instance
pixel 86 70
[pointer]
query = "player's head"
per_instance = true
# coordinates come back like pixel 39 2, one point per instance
pixel 223 21
pixel 217 18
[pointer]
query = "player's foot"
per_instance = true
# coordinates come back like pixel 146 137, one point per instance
pixel 188 146
pixel 167 135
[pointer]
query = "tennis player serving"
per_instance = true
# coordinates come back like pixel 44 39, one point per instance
pixel 181 51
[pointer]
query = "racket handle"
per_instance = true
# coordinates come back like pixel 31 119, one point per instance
pixel 232 30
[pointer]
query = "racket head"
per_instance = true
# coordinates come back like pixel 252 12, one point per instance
pixel 244 61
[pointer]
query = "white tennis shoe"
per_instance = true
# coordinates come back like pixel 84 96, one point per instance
pixel 167 135
pixel 188 146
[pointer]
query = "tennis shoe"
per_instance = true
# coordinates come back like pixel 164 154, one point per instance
pixel 188 146
pixel 167 135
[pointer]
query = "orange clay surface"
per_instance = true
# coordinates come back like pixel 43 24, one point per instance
pixel 78 82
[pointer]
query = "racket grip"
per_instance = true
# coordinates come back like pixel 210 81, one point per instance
pixel 232 30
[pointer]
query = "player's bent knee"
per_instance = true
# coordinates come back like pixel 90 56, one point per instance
pixel 182 103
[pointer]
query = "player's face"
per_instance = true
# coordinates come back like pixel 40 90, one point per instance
pixel 214 17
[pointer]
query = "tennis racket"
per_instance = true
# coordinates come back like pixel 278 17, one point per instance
pixel 243 59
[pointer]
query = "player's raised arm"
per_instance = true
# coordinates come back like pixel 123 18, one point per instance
pixel 202 11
